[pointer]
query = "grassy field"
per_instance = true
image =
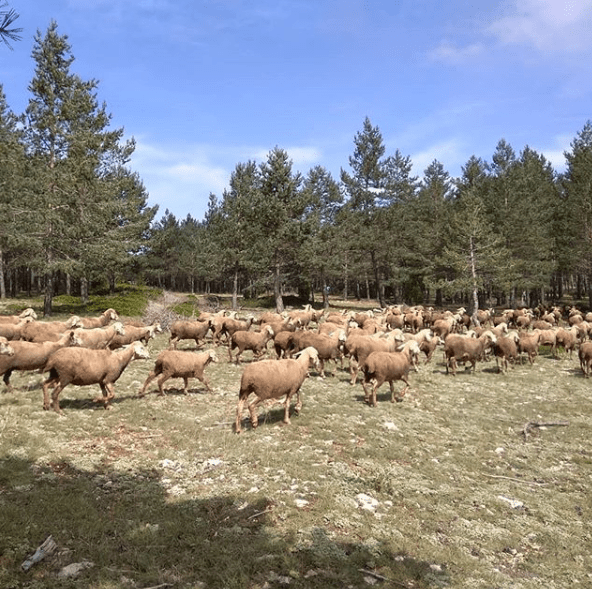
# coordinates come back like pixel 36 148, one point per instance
pixel 445 489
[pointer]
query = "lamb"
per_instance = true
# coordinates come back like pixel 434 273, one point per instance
pixel 528 343
pixel 585 356
pixel 466 349
pixel 48 331
pixel 272 379
pixel 134 334
pixel 99 338
pixel 328 347
pixel 82 366
pixel 195 330
pixel 102 321
pixel 506 349
pixel 32 356
pixel 381 367
pixel 179 364
pixel 256 341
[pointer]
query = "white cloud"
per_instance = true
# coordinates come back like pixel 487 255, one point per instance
pixel 449 153
pixel 548 25
pixel 451 54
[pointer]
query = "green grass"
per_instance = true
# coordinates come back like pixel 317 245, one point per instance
pixel 160 491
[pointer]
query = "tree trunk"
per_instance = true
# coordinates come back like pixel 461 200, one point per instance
pixel 379 290
pixel 2 284
pixel 48 298
pixel 235 290
pixel 84 290
pixel 475 287
pixel 277 290
pixel 345 283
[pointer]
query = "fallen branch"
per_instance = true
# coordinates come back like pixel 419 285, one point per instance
pixel 381 578
pixel 532 424
pixel 499 476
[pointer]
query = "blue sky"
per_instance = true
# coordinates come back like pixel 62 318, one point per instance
pixel 204 85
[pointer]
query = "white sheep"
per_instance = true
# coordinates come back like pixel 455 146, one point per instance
pixel 82 366
pixel 102 321
pixel 135 334
pixel 272 379
pixel 28 312
pixel 48 331
pixel 179 364
pixel 99 338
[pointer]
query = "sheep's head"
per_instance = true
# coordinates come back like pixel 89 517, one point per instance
pixel 118 327
pixel 5 348
pixel 28 313
pixel 74 340
pixel 212 356
pixel 111 314
pixel 269 330
pixel 74 321
pixel 140 352
pixel 313 356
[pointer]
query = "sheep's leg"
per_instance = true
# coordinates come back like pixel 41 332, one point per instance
pixel 374 389
pixel 298 406
pixel 353 369
pixel 160 382
pixel 148 380
pixel 205 382
pixel 253 411
pixel 186 384
pixel 287 408
pixel 321 368
pixel 55 404
pixel 366 392
pixel 6 379
pixel 402 392
pixel 239 414
pixel 108 394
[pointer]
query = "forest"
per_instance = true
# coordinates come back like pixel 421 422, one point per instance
pixel 75 216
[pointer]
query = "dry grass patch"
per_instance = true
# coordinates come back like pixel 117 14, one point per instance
pixel 441 490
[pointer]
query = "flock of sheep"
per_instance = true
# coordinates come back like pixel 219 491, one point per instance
pixel 383 345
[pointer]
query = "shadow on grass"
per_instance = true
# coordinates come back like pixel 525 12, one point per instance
pixel 137 535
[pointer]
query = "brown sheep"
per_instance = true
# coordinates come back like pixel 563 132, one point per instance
pixel 567 339
pixel 229 325
pixel 463 348
pixel 528 343
pixel 195 330
pixel 48 331
pixel 256 341
pixel 272 379
pixel 505 350
pixel 5 347
pixel 328 347
pixel 548 337
pixel 358 348
pixel 179 364
pixel 99 338
pixel 585 356
pixel 381 367
pixel 82 366
pixel 32 356
pixel 134 334
pixel 14 331
pixel 102 321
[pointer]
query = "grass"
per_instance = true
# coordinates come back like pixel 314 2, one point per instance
pixel 442 490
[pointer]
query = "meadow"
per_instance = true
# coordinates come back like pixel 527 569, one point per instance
pixel 460 485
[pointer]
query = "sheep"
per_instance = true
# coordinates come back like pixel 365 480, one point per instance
pixel 83 366
pixel 28 312
pixel 282 344
pixel 256 341
pixel 229 325
pixel 99 338
pixel 14 331
pixel 422 336
pixel 504 349
pixel 381 367
pixel 548 337
pixel 304 317
pixel 195 330
pixel 567 339
pixel 528 343
pixel 48 331
pixel 32 356
pixel 429 347
pixel 179 364
pixel 328 347
pixel 585 356
pixel 466 349
pixel 272 379
pixel 102 321
pixel 358 348
pixel 134 334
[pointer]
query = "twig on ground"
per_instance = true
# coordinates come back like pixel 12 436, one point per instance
pixel 499 476
pixel 381 578
pixel 160 586
pixel 532 424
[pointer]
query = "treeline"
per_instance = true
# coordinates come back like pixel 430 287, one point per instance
pixel 74 216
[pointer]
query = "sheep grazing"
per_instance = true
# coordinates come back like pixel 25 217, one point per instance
pixel 585 356
pixel 256 341
pixel 462 348
pixel 272 379
pixel 179 364
pixel 28 312
pixel 381 367
pixel 82 366
pixel 195 330
pixel 32 356
pixel 48 331
pixel 102 321
pixel 134 334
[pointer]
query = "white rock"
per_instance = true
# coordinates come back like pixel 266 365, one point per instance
pixel 74 569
